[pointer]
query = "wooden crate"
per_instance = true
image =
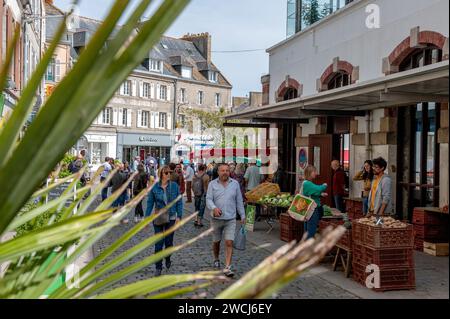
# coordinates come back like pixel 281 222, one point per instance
pixel 435 249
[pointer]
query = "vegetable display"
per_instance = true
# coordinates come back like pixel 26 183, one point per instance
pixel 388 222
pixel 284 200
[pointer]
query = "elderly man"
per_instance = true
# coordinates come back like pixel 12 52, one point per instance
pixel 224 200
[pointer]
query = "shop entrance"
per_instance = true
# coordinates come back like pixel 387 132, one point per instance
pixel 418 158
pixel 320 150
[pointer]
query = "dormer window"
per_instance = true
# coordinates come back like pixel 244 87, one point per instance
pixel 155 65
pixel 213 76
pixel 186 72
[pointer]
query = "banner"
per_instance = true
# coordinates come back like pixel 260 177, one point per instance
pixel 250 213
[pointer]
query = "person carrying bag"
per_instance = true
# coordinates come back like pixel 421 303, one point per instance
pixel 162 194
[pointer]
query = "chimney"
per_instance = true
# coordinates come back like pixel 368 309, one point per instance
pixel 202 42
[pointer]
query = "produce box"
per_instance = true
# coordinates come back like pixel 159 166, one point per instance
pixel 397 278
pixel 290 229
pixel 384 257
pixel 433 233
pixel 423 217
pixel 393 234
pixel 435 249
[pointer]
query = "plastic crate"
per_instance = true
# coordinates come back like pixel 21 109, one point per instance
pixel 431 232
pixel 390 278
pixel 390 257
pixel 290 229
pixel 379 237
pixel 422 217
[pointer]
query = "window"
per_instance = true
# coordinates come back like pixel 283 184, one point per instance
pixel 50 75
pixel 126 88
pixel 213 77
pixel 124 117
pixel 200 97
pixel 290 94
pixel 340 79
pixel 107 116
pixel 163 92
pixel 145 118
pixel 217 99
pixel 146 90
pixel 181 120
pixel 163 120
pixel 186 72
pixel 422 57
pixel 183 95
pixel 155 65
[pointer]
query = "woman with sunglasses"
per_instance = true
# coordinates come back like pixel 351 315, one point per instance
pixel 162 194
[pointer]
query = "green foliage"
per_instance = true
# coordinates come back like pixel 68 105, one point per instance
pixel 36 258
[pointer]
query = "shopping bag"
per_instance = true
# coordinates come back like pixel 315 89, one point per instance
pixel 302 208
pixel 240 239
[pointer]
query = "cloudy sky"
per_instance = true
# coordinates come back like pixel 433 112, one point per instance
pixel 234 25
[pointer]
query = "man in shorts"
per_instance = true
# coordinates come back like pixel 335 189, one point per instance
pixel 224 200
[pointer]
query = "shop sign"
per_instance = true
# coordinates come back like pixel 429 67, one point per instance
pixel 148 139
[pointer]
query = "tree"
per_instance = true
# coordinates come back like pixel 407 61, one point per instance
pixel 310 12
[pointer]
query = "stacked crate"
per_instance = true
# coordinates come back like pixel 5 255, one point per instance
pixel 290 229
pixel 429 227
pixel 389 249
pixel 354 209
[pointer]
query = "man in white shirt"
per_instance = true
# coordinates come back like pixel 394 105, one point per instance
pixel 107 168
pixel 188 177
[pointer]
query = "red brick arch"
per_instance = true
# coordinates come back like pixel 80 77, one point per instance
pixel 404 49
pixel 289 84
pixel 328 73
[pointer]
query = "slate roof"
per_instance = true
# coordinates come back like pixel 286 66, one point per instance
pixel 173 52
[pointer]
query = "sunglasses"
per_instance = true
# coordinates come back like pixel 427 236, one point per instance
pixel 166 173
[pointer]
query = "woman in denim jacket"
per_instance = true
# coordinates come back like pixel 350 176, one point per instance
pixel 162 194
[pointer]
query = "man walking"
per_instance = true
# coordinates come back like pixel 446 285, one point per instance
pixel 224 199
pixel 338 186
pixel 188 177
pixel 199 186
pixel 252 179
pixel 380 196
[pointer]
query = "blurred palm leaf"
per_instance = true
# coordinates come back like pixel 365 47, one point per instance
pixel 36 262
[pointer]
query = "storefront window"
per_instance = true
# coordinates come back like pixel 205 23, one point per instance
pixel 98 152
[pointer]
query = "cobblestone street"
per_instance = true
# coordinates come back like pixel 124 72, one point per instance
pixel 198 257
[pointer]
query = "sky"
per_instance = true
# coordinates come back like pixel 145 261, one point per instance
pixel 233 24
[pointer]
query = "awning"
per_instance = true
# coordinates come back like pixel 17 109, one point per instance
pixel 425 84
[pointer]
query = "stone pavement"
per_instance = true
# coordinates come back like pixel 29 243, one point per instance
pixel 318 283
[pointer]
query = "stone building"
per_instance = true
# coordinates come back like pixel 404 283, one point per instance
pixel 360 82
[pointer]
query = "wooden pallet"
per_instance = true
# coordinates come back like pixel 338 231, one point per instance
pixel 435 249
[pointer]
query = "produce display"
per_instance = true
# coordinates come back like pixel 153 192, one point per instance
pixel 284 200
pixel 262 190
pixel 327 211
pixel 387 222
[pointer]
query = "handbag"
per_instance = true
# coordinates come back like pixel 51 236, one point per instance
pixel 162 219
pixel 302 208
pixel 240 239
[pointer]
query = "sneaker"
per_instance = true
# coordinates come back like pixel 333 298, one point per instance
pixel 168 264
pixel 217 264
pixel 136 219
pixel 125 221
pixel 228 272
pixel 158 272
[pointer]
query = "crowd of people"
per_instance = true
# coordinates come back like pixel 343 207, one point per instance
pixel 220 188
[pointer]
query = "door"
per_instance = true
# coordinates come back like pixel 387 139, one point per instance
pixel 320 155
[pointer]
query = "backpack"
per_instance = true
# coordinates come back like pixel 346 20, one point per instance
pixel 73 168
pixel 197 185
